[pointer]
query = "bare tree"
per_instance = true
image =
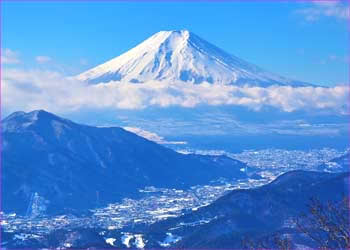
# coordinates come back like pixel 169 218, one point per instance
pixel 275 241
pixel 327 224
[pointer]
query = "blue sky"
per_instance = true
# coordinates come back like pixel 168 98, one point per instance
pixel 306 41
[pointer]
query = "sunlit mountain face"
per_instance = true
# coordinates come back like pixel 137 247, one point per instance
pixel 184 88
pixel 170 56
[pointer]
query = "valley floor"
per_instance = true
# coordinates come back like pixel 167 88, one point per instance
pixel 157 204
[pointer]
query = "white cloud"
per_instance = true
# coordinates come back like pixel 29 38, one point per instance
pixel 9 56
pixel 43 59
pixel 152 136
pixel 28 90
pixel 335 9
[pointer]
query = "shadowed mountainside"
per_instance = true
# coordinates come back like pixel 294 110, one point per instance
pixel 76 166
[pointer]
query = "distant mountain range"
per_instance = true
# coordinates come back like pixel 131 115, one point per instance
pixel 77 167
pixel 181 55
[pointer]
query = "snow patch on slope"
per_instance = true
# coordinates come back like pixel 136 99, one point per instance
pixel 152 136
pixel 110 241
pixel 138 242
pixel 126 239
pixel 169 240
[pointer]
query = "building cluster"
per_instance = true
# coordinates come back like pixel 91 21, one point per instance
pixel 268 159
pixel 157 204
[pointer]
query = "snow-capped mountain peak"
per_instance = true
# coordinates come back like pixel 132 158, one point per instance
pixel 181 56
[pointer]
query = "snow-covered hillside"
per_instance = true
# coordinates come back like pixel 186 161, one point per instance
pixel 182 56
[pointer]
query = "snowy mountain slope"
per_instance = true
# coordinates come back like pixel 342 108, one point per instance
pixel 182 56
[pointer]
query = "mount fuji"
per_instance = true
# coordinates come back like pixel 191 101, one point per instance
pixel 170 56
